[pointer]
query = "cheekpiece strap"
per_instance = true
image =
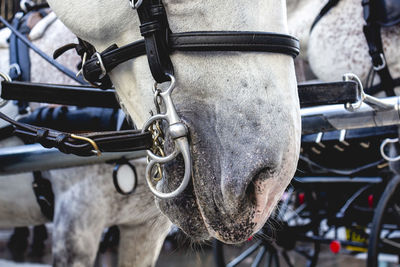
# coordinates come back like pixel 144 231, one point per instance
pixel 155 29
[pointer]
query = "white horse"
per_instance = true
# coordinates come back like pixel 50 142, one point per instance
pixel 337 44
pixel 301 15
pixel 241 109
pixel 82 211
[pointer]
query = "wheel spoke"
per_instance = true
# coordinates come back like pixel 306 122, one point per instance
pixel 259 257
pixel 244 255
pixel 276 259
pixel 396 213
pixel 287 259
pixel 390 243
pixel 303 253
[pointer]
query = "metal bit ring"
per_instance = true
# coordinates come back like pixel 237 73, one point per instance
pixel 178 132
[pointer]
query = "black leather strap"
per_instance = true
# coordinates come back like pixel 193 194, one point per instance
pixel 325 9
pixel 372 33
pixel 309 94
pixel 155 30
pixel 197 41
pixel 83 96
pixel 120 141
pixel 44 194
pixel 6 132
pixel 314 94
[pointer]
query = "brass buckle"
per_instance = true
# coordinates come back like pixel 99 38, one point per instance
pixel 90 141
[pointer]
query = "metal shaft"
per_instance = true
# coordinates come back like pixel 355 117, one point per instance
pixel 34 157
pixel 336 117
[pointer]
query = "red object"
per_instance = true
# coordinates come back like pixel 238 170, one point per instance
pixel 371 201
pixel 301 198
pixel 335 246
pixel 250 238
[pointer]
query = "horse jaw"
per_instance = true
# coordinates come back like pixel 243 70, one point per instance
pixel 241 109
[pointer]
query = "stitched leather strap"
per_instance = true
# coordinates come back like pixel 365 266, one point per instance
pixel 59 94
pixel 110 141
pixel 309 94
pixel 197 41
pixel 155 29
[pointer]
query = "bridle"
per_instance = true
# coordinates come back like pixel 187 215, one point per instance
pixel 158 43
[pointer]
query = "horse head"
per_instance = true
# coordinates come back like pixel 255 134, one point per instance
pixel 241 109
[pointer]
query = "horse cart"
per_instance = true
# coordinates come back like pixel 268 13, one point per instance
pixel 345 192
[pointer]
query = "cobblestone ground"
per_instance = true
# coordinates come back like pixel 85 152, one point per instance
pixel 190 256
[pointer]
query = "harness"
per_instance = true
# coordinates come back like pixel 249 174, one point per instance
pixel 377 14
pixel 158 43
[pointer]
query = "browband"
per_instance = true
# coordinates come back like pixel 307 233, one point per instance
pixel 93 69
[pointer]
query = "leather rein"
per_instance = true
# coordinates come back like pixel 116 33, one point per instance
pixel 158 43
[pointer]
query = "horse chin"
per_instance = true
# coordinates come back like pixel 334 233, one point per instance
pixel 182 210
pixel 202 217
pixel 228 205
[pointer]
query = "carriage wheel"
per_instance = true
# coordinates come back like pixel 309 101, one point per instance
pixel 385 222
pixel 260 251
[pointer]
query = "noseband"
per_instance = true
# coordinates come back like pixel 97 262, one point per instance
pixel 158 43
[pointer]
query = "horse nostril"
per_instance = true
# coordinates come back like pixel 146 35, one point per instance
pixel 254 186
pixel 251 192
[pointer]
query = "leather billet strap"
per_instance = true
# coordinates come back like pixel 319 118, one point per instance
pixel 87 144
pixel 155 29
pixel 196 41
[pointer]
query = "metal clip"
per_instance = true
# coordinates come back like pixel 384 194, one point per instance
pixel 96 150
pixel 80 72
pixel 178 132
pixel 383 145
pixel 361 95
pixel 7 78
pixel 382 66
pixel 16 67
pixel 135 5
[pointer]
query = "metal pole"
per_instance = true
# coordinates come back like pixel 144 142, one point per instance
pixel 34 157
pixel 372 113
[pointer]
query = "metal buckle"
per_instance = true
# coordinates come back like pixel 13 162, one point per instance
pixel 101 64
pixel 80 72
pixel 96 150
pixel 382 66
pixel 178 132
pixel 135 5
pixel 16 67
pixel 7 78
pixel 361 95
